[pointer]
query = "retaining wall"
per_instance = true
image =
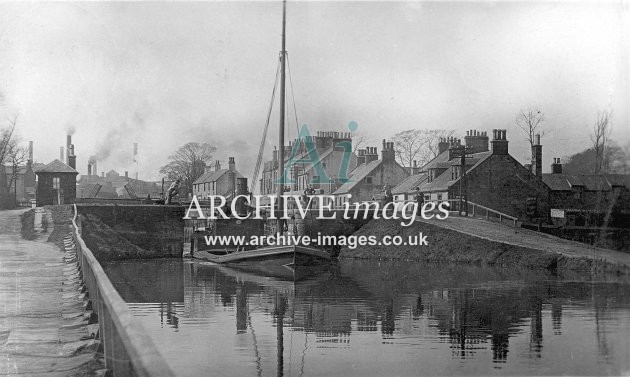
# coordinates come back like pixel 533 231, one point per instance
pixel 151 227
pixel 128 350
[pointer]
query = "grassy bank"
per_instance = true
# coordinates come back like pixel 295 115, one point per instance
pixel 106 244
pixel 445 245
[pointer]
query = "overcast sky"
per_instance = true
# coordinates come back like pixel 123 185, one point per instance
pixel 163 74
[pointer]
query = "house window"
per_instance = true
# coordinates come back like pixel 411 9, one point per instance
pixel 439 196
pixel 577 193
pixel 56 183
pixel 368 180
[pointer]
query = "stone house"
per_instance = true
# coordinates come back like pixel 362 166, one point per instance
pixel 493 178
pixel 588 199
pixel 217 181
pixel 56 184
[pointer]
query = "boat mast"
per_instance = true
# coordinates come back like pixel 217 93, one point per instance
pixel 281 131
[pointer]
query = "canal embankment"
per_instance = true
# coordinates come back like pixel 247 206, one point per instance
pixel 115 232
pixel 476 241
pixel 44 324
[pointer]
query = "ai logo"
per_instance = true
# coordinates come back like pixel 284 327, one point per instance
pixel 312 157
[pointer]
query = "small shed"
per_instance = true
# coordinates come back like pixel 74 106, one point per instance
pixel 56 184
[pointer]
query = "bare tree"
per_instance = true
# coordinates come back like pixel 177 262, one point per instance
pixel 357 141
pixel 599 138
pixel 12 156
pixel 187 163
pixel 418 145
pixel 530 121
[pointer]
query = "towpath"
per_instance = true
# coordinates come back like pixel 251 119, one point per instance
pixel 495 231
pixel 42 324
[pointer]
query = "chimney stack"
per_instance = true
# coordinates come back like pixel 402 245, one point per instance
pixel 126 174
pixel 476 141
pixel 556 167
pixel 30 151
pixel 537 157
pixel 217 165
pixel 68 146
pixel 388 154
pixel 453 145
pixel 499 142
pixel 442 145
pixel 61 154
pixel 370 154
pixel 231 164
pixel 361 157
pixel 415 169
pixel 89 169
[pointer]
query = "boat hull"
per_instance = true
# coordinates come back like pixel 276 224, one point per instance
pixel 269 260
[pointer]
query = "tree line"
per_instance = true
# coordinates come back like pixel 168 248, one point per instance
pixel 13 156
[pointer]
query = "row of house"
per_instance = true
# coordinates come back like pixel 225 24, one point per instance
pixel 493 179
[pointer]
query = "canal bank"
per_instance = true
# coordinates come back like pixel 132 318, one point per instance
pixel 476 241
pixel 43 321
pixel 127 232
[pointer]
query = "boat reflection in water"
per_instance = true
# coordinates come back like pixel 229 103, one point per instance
pixel 387 318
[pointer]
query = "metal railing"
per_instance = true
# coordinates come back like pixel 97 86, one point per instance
pixel 128 350
pixel 473 209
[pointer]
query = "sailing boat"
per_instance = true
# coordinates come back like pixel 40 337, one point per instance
pixel 270 257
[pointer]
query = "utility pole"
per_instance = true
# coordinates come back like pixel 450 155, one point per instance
pixel 463 192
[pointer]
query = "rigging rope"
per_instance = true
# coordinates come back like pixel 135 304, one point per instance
pixel 261 149
pixel 297 124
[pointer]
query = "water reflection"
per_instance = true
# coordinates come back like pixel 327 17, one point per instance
pixel 360 318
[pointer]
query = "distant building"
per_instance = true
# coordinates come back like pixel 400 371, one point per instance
pixel 367 180
pixel 22 187
pixel 303 175
pixel 217 181
pixel 56 184
pixel 113 185
pixel 588 199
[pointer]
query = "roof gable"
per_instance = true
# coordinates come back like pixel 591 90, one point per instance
pixel 410 183
pixel 213 176
pixel 556 182
pixel 57 166
pixel 357 176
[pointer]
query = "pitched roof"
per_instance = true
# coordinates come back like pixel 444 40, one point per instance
pixel 37 166
pixel 442 157
pixel 556 182
pixel 213 176
pixel 444 181
pixel 590 182
pixel 410 183
pixel 619 180
pixel 357 176
pixel 595 183
pixel 56 167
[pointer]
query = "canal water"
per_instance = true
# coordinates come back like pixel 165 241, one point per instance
pixel 378 319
